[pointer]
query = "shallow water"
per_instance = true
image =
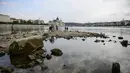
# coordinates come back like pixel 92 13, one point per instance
pixel 87 56
pixel 90 57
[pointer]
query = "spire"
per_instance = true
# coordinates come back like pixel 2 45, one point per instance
pixel 57 18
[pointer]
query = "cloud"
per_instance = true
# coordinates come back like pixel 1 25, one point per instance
pixel 127 14
pixel 6 3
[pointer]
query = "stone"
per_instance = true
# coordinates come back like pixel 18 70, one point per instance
pixel 56 52
pixel 102 40
pixel 6 69
pixel 110 40
pixel 2 53
pixel 48 56
pixel 114 36
pixel 83 39
pixel 115 67
pixel 32 63
pixel 31 57
pixel 25 45
pixel 39 61
pixel 120 38
pixel 45 35
pixel 114 41
pixel 97 41
pixel 69 37
pixel 124 43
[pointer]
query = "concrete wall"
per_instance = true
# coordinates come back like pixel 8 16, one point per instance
pixel 4 18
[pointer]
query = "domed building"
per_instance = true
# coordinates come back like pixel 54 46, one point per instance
pixel 57 22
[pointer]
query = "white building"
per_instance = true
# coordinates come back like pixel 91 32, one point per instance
pixel 4 18
pixel 57 22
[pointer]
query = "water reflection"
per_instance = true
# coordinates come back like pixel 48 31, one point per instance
pixel 52 39
pixel 27 60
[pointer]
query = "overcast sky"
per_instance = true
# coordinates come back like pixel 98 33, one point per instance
pixel 67 10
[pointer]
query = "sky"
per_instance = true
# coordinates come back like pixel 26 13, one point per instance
pixel 67 10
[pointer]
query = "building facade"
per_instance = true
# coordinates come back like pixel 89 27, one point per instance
pixel 4 18
pixel 57 22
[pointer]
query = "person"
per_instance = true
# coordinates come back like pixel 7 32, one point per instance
pixel 66 28
pixel 56 27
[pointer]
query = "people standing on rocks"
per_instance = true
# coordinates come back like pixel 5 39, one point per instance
pixel 66 28
pixel 56 27
pixel 12 29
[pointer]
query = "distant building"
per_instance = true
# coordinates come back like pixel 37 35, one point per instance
pixel 57 22
pixel 4 18
pixel 12 19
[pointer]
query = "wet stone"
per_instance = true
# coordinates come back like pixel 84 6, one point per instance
pixel 31 57
pixel 6 70
pixel 48 56
pixel 102 40
pixel 120 38
pixel 83 39
pixel 97 41
pixel 114 36
pixel 110 40
pixel 124 43
pixel 2 53
pixel 39 61
pixel 115 67
pixel 56 52
pixel 114 41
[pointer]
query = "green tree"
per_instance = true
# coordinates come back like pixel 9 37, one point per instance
pixel 15 22
pixel 29 22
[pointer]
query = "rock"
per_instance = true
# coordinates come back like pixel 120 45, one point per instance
pixel 39 61
pixel 110 40
pixel 120 38
pixel 45 35
pixel 6 69
pixel 24 36
pixel 124 43
pixel 116 68
pixel 43 56
pixel 102 40
pixel 32 63
pixel 32 57
pixel 114 41
pixel 2 53
pixel 25 45
pixel 69 37
pixel 97 41
pixel 56 52
pixel 114 36
pixel 48 56
pixel 83 39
